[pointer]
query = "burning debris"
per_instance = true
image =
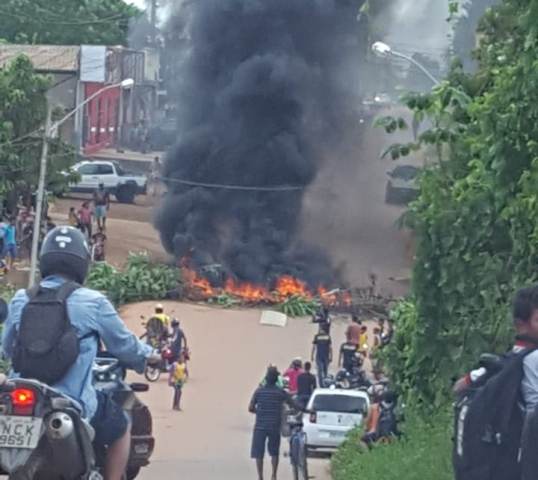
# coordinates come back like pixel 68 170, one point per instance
pixel 265 91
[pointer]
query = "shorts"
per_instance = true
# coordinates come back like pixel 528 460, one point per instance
pixel 100 211
pixel 110 421
pixel 10 250
pixel 260 438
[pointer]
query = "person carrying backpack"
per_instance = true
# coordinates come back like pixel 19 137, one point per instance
pixel 382 421
pixel 53 332
pixel 495 413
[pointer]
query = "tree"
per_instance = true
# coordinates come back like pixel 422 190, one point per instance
pixel 476 217
pixel 22 116
pixel 66 22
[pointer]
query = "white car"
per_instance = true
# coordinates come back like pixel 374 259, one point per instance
pixel 402 186
pixel 336 413
pixel 123 185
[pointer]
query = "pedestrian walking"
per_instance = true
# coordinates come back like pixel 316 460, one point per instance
pixel 267 404
pixel 10 243
pixel 179 375
pixel 322 353
pixel 85 215
pixel 306 384
pixel 155 176
pixel 101 199
pixel 353 332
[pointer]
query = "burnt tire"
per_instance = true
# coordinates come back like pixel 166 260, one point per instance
pixel 126 194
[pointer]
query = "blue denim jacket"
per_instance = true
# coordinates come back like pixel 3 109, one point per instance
pixel 89 311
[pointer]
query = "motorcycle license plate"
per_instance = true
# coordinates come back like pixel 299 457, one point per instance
pixel 19 432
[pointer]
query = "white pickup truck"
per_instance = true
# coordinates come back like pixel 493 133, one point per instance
pixel 124 186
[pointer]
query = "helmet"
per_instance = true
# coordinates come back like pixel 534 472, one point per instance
pixel 175 322
pixel 297 362
pixel 159 308
pixel 65 252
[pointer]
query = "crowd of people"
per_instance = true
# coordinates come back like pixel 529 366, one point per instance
pixel 297 384
pixel 83 219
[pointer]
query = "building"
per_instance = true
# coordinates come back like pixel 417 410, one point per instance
pixel 79 72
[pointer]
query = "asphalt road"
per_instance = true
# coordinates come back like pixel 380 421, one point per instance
pixel 211 437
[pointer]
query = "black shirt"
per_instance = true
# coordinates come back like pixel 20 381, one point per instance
pixel 322 341
pixel 348 351
pixel 306 384
pixel 177 341
pixel 267 403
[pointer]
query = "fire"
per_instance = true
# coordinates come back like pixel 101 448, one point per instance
pixel 287 286
pixel 199 285
pixel 247 291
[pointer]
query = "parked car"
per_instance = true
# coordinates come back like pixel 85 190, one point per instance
pixel 335 414
pixel 402 186
pixel 123 185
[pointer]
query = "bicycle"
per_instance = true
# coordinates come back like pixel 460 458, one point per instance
pixel 298 448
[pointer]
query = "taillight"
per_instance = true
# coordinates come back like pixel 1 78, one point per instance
pixel 313 417
pixel 23 401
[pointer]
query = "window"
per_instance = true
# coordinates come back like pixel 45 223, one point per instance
pixel 340 404
pixel 88 169
pixel 119 170
pixel 406 172
pixel 105 169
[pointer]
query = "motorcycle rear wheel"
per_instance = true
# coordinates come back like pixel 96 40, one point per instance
pixel 152 374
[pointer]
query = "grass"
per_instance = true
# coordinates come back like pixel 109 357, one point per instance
pixel 423 454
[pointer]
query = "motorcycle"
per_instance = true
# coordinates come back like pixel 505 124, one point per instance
pixel 43 435
pixel 153 372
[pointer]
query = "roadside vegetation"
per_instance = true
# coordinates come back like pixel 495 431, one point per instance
pixel 476 237
pixel 140 280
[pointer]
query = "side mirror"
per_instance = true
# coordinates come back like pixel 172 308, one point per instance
pixel 139 387
pixel 3 310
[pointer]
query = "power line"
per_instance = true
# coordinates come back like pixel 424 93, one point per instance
pixel 272 188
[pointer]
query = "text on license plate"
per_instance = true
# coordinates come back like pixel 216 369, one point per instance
pixel 19 432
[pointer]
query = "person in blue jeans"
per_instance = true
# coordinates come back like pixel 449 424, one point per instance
pixel 322 353
pixel 65 257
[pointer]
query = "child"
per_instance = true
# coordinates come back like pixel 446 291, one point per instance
pixel 363 341
pixel 73 218
pixel 85 215
pixel 98 246
pixel 178 376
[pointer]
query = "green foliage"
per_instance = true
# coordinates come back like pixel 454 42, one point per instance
pixel 424 453
pixel 66 22
pixel 22 115
pixel 298 306
pixel 475 219
pixel 140 280
pixel 225 300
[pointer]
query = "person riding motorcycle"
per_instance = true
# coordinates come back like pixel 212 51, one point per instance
pixel 382 421
pixel 65 257
pixel 163 317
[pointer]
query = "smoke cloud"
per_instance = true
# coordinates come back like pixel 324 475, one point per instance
pixel 266 91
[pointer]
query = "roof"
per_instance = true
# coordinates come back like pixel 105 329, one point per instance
pixel 340 391
pixel 46 58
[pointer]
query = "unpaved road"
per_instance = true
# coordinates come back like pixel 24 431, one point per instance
pixel 210 439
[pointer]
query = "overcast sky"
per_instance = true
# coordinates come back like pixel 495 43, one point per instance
pixel 138 3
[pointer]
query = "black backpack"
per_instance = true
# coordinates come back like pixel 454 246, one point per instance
pixel 488 424
pixel 47 344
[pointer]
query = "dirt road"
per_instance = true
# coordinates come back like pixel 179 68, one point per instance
pixel 211 437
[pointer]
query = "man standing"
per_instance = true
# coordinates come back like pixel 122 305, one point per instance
pixel 10 243
pixel 178 342
pixel 348 356
pixel 322 353
pixel 353 332
pixel 306 384
pixel 101 199
pixel 267 403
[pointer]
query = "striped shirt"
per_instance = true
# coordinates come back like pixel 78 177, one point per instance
pixel 267 403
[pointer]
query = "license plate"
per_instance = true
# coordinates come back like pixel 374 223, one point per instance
pixel 19 432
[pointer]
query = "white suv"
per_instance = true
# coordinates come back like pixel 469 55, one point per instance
pixel 336 413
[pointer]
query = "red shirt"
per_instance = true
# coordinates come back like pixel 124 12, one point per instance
pixel 85 215
pixel 293 375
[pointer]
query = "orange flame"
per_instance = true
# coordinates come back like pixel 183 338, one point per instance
pixel 247 291
pixel 287 286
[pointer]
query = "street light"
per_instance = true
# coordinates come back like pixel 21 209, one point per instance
pixel 383 50
pixel 49 131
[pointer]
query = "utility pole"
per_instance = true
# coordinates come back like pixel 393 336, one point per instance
pixel 39 201
pixel 154 23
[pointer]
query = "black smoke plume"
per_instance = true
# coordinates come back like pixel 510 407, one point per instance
pixel 265 92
